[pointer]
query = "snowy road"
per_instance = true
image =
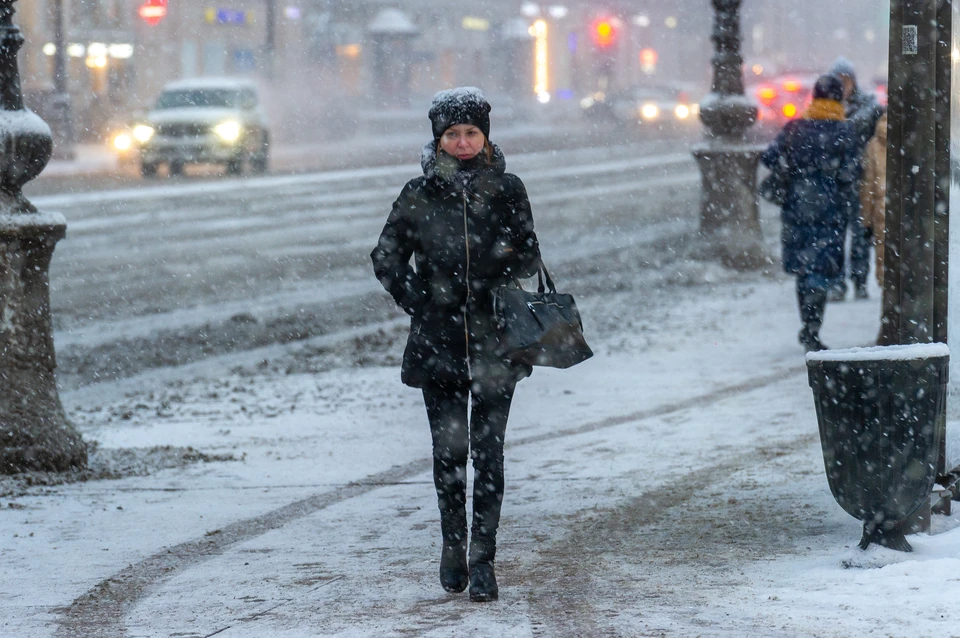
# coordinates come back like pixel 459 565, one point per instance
pixel 169 274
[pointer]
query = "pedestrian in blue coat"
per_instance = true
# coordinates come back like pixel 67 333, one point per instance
pixel 818 153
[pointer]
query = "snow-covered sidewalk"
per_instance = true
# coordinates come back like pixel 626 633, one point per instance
pixel 671 486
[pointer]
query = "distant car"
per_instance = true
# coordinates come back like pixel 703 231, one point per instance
pixel 643 104
pixel 205 121
pixel 782 98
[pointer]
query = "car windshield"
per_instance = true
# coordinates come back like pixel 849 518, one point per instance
pixel 222 98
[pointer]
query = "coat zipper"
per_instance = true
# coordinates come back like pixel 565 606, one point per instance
pixel 466 323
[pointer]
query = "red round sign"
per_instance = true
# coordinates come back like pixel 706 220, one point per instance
pixel 153 11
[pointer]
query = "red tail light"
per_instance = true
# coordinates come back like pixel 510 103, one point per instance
pixel 789 110
pixel 767 94
pixel 791 86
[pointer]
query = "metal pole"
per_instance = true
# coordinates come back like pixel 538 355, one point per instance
pixel 270 42
pixel 915 261
pixel 60 55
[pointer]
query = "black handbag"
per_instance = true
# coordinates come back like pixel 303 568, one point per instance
pixel 776 185
pixel 540 328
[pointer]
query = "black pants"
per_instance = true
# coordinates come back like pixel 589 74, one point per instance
pixel 454 440
pixel 861 239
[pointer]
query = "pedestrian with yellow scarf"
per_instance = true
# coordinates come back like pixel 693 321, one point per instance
pixel 818 154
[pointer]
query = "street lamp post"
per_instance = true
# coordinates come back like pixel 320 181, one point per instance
pixel 34 431
pixel 729 208
pixel 60 53
pixel 270 43
pixel 59 108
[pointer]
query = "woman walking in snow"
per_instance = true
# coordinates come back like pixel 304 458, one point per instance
pixel 818 153
pixel 468 226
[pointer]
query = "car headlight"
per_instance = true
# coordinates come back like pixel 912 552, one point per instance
pixel 142 133
pixel 682 111
pixel 122 142
pixel 650 111
pixel 228 131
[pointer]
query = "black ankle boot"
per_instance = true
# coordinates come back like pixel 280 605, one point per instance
pixel 811 341
pixel 453 567
pixel 483 579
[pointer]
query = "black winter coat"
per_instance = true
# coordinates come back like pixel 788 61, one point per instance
pixel 469 227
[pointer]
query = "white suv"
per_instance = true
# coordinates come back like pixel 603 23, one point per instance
pixel 205 121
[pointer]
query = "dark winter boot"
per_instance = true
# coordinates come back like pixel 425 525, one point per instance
pixel 453 567
pixel 813 302
pixel 483 580
pixel 860 292
pixel 453 558
pixel 838 292
pixel 811 341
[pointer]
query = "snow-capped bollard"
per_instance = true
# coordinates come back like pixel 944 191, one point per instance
pixel 879 411
pixel 34 431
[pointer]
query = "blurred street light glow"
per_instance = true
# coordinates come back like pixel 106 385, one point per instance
pixel 530 9
pixel 473 23
pixel 540 61
pixel 120 51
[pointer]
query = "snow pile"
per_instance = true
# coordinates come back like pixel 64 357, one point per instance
pixel 883 353
pixel 23 122
pixel 14 222
pixel 460 96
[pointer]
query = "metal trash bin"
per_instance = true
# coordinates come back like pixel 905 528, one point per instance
pixel 878 411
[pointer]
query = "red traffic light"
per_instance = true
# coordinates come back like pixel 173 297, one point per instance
pixel 604 32
pixel 153 11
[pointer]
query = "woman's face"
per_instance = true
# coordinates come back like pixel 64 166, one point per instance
pixel 463 141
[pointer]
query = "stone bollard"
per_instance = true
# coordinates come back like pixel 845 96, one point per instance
pixel 729 206
pixel 34 431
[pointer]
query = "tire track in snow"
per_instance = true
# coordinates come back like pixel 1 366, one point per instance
pixel 100 612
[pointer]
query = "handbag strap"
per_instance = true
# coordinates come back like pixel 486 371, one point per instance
pixel 541 274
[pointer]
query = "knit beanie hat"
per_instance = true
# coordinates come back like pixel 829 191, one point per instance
pixel 828 87
pixel 843 67
pixel 463 105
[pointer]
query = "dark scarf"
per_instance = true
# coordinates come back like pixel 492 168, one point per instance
pixel 445 170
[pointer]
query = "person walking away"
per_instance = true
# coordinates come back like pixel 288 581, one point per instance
pixel 863 111
pixel 818 152
pixel 873 191
pixel 468 226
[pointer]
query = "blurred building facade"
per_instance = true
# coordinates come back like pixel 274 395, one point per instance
pixel 392 55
